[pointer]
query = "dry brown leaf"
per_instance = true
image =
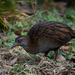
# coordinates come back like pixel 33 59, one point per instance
pixel 5 21
pixel 69 43
pixel 73 28
pixel 73 68
pixel 60 58
pixel 64 47
pixel 7 67
pixel 13 61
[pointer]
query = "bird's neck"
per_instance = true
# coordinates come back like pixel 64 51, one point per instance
pixel 30 48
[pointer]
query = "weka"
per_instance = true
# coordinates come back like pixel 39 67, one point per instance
pixel 44 37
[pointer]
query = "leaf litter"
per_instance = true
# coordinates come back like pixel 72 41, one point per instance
pixel 26 63
pixel 44 66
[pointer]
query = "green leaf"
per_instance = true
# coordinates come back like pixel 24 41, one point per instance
pixel 11 27
pixel 24 33
pixel 26 72
pixel 20 24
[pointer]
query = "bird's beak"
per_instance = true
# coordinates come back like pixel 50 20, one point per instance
pixel 14 45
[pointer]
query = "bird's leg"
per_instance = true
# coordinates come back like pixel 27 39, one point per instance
pixel 46 53
pixel 55 55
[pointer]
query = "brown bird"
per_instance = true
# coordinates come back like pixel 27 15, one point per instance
pixel 44 37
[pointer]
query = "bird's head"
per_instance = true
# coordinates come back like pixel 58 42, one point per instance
pixel 20 41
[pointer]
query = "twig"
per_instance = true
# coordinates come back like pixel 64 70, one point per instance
pixel 32 4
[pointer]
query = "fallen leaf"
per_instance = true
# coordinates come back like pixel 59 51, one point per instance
pixel 60 58
pixel 7 67
pixel 64 47
pixel 5 21
pixel 73 28
pixel 73 68
pixel 69 43
pixel 13 61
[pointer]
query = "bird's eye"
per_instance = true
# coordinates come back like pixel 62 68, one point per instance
pixel 19 40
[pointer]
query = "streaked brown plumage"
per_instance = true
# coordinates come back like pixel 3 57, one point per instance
pixel 45 37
